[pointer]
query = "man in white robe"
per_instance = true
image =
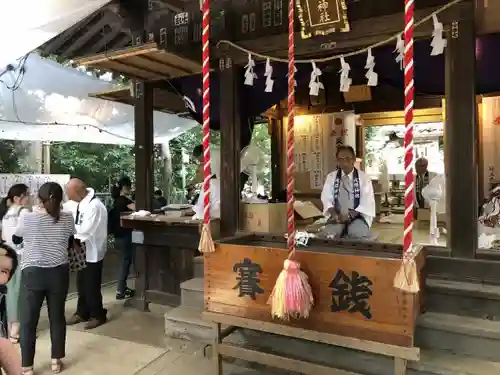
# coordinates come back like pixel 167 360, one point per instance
pixel 214 184
pixel 422 179
pixel 348 199
pixel 198 208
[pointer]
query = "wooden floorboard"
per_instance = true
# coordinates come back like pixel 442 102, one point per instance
pixel 393 233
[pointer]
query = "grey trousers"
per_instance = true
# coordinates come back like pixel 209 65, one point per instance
pixel 38 284
pixel 358 229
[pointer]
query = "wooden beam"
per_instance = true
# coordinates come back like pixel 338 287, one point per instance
pixel 277 361
pixel 175 6
pixel 461 133
pixel 57 42
pixel 277 139
pixel 410 353
pixel 143 118
pixel 84 38
pixel 364 32
pixel 122 42
pixel 103 42
pixel 230 130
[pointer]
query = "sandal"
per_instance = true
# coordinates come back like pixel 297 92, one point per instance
pixel 56 365
pixel 27 371
pixel 14 339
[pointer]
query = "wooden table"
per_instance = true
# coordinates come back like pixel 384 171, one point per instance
pixel 165 252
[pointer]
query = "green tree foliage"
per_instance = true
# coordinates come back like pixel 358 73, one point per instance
pixel 97 164
pixel 192 138
pixel 13 157
pixel 100 165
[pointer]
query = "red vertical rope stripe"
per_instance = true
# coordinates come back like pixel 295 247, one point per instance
pixel 290 170
pixel 207 174
pixel 408 141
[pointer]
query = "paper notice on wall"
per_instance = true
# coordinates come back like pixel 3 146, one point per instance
pixel 303 164
pixel 316 179
pixel 316 125
pixel 302 143
pixel 316 161
pixel 317 142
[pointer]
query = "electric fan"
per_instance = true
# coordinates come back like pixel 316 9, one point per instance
pixel 434 194
pixel 253 163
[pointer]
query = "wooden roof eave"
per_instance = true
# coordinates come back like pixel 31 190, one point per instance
pixel 363 33
pixel 145 62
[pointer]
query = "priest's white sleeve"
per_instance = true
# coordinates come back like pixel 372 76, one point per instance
pixel 367 199
pixel 327 198
pixel 214 201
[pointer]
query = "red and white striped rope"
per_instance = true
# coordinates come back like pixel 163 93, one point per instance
pixel 408 141
pixel 290 140
pixel 207 174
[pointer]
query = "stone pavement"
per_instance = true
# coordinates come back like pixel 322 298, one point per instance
pixel 131 343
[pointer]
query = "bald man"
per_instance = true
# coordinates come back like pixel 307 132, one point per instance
pixel 91 222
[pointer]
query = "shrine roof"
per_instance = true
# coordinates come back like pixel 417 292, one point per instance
pixel 108 29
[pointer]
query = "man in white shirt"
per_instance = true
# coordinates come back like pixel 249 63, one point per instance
pixel 348 199
pixel 91 222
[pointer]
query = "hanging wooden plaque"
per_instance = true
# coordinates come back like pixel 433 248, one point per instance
pixel 322 17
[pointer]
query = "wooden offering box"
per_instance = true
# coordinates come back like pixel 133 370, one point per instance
pixel 352 285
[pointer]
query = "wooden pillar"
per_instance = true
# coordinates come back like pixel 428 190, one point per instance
pixel 231 85
pixel 461 134
pixel 143 116
pixel 277 138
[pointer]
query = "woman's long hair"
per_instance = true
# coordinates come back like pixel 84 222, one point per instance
pixel 17 190
pixel 116 190
pixel 50 195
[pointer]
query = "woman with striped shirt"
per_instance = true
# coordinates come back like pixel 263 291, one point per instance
pixel 45 233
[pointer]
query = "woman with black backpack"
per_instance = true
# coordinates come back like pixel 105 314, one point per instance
pixel 123 236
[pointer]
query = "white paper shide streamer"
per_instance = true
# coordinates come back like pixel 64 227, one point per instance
pixel 400 50
pixel 370 75
pixel 438 41
pixel 345 81
pixel 315 84
pixel 301 238
pixel 269 76
pixel 189 103
pixel 249 73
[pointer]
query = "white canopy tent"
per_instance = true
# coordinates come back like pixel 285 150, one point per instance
pixel 52 104
pixel 27 24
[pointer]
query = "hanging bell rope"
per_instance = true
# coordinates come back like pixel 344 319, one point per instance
pixel 206 244
pixel 292 295
pixel 407 277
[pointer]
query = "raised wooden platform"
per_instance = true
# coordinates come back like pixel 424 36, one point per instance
pixel 145 62
pixel 163 100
